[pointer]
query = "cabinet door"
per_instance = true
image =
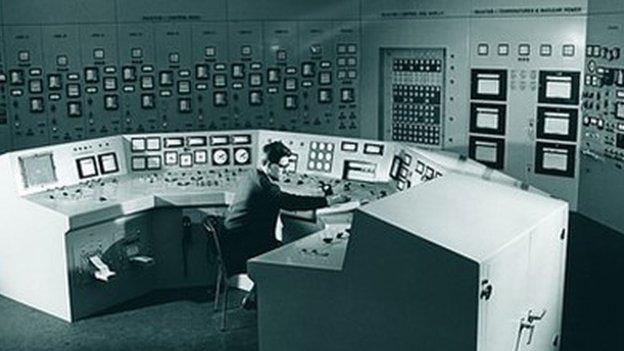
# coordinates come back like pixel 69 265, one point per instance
pixel 500 314
pixel 546 278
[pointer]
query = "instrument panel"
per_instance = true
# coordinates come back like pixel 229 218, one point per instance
pixel 87 191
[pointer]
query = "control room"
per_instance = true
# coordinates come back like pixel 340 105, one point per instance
pixel 315 175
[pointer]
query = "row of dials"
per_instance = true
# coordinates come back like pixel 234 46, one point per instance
pixel 238 156
pixel 166 78
pixel 193 151
pixel 166 81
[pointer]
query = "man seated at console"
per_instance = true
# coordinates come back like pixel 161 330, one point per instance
pixel 251 219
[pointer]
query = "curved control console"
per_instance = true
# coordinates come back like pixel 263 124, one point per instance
pixel 94 223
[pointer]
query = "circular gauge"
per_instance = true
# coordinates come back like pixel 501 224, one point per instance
pixel 242 156
pixel 591 66
pixel 220 157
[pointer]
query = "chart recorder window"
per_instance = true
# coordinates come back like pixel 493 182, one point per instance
pixel 488 84
pixel 557 123
pixel 489 151
pixel 87 167
pixel 558 87
pixel 555 159
pixel 488 118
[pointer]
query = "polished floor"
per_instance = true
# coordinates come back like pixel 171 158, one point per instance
pixel 166 320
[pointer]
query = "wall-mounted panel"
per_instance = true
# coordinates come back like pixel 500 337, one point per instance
pixel 174 86
pixel 413 94
pixel 283 85
pixel 137 58
pixel 452 36
pixel 209 53
pixel 553 48
pixel 319 69
pixel 348 77
pixel 602 131
pixel 65 106
pixel 24 64
pixel 102 77
pixel 293 10
pixel 245 62
pixel 170 11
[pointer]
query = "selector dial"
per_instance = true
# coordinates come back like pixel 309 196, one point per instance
pixel 242 156
pixel 220 157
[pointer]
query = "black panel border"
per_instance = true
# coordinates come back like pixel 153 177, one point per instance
pixel 573 123
pixel 101 163
pixel 500 151
pixel 81 175
pixel 502 118
pixel 541 92
pixel 539 159
pixel 474 94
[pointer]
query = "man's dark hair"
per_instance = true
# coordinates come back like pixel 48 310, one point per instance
pixel 275 151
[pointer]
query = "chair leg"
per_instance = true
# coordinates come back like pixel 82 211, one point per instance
pixel 218 288
pixel 225 304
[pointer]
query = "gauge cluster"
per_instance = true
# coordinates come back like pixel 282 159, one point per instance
pixel 149 153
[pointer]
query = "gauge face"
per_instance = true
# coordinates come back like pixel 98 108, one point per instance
pixel 242 156
pixel 220 157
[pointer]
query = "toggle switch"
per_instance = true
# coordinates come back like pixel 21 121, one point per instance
pixel 102 273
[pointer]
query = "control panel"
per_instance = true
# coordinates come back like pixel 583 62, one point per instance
pixel 602 122
pixel 347 76
pixel 62 64
pixel 86 176
pixel 363 192
pixel 284 86
pixel 524 100
pixel 410 168
pixel 413 92
pixel 185 151
pixel 24 64
pixel 247 108
pixel 117 253
pixel 138 78
pixel 103 81
pixel 97 161
pixel 603 103
pixel 338 158
pixel 123 204
pixel 74 82
pixel 209 75
pixel 105 171
pixel 488 112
